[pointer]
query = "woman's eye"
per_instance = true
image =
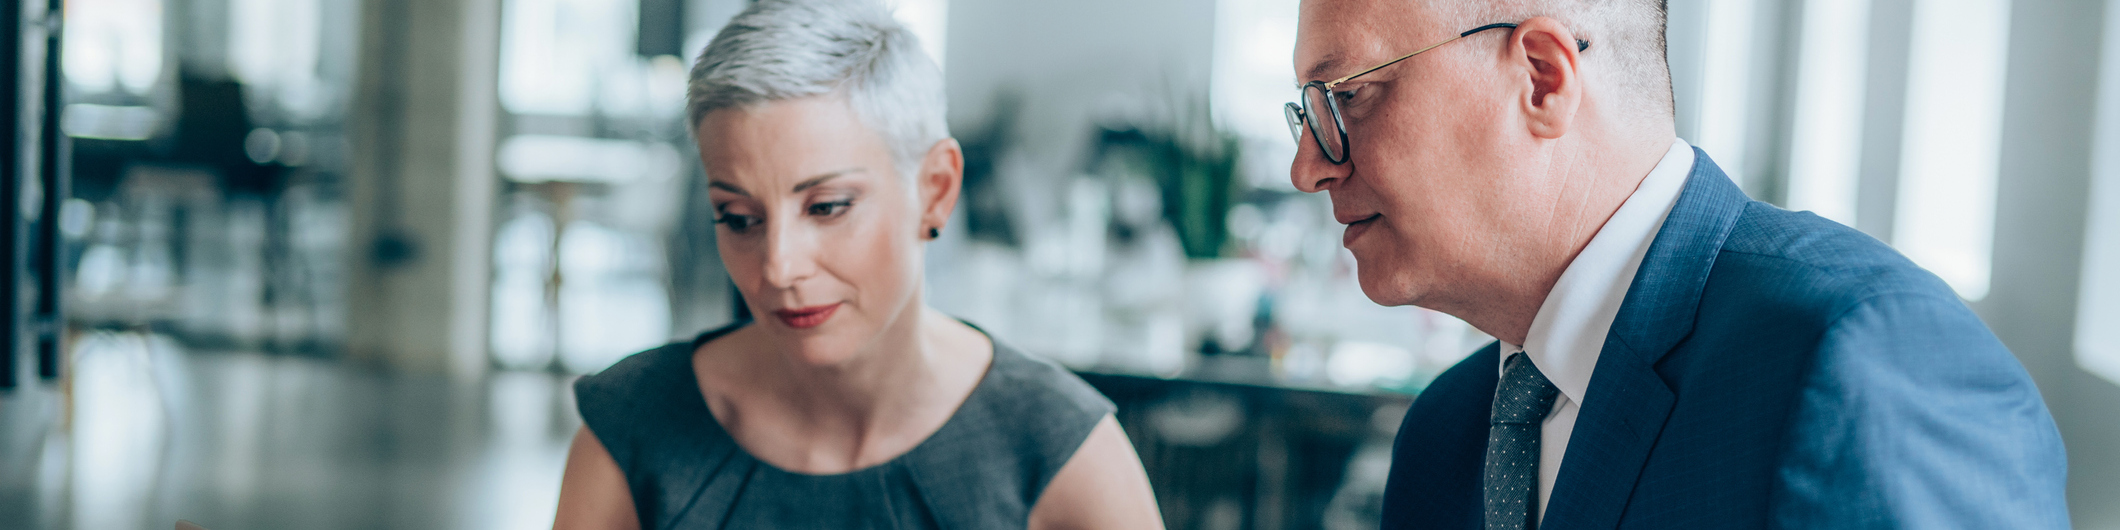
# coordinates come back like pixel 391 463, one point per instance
pixel 737 223
pixel 830 209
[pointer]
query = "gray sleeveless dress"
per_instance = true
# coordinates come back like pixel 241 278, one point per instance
pixel 983 469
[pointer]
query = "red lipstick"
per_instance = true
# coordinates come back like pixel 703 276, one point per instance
pixel 806 317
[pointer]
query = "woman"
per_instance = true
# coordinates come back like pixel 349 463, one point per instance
pixel 848 403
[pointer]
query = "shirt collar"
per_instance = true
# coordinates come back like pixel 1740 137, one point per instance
pixel 1569 331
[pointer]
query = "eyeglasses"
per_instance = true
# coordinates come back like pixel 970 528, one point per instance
pixel 1318 94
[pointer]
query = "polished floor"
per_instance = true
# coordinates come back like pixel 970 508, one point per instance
pixel 149 433
pixel 146 432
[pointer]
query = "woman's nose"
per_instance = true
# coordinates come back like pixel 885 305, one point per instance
pixel 790 256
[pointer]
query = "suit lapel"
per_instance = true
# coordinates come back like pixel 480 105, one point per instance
pixel 1624 409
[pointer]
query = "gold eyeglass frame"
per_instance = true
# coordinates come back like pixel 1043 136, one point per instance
pixel 1299 115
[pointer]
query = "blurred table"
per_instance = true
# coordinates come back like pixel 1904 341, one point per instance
pixel 1229 445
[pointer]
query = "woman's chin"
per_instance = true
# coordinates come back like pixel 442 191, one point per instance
pixel 819 348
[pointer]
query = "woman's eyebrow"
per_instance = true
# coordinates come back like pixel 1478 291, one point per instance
pixel 820 179
pixel 724 186
pixel 805 184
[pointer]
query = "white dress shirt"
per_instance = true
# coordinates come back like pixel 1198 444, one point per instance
pixel 1569 330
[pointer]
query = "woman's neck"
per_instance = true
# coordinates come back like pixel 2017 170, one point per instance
pixel 880 403
pixel 884 375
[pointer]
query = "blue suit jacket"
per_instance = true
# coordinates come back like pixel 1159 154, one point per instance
pixel 1768 369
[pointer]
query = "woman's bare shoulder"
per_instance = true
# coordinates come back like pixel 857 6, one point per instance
pixel 593 493
pixel 1101 486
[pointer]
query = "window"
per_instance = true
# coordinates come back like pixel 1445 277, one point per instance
pixel 1945 214
pixel 2098 302
pixel 1252 76
pixel 1826 150
pixel 1725 88
pixel 554 52
pixel 112 44
pixel 929 20
pixel 2098 308
pixel 274 48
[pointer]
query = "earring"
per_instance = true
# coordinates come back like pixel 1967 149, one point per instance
pixel 934 232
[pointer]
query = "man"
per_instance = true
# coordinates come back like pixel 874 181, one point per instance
pixel 1671 353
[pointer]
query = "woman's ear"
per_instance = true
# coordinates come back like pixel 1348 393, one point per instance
pixel 940 179
pixel 1552 61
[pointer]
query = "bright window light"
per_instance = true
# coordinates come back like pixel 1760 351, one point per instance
pixel 273 46
pixel 554 52
pixel 1945 217
pixel 522 263
pixel 1253 72
pixel 1725 83
pixel 929 20
pixel 2098 303
pixel 113 44
pixel 610 302
pixel 2098 308
pixel 1827 148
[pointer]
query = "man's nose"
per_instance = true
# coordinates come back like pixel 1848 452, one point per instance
pixel 1311 172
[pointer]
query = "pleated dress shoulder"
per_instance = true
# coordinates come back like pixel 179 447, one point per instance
pixel 984 469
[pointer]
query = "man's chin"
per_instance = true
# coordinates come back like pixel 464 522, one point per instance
pixel 1384 287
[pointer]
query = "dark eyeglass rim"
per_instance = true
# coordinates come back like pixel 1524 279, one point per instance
pixel 1301 114
pixel 1305 113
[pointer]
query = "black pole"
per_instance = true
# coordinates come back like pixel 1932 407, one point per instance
pixel 56 175
pixel 10 185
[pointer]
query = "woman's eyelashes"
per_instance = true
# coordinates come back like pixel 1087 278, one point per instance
pixel 736 222
pixel 740 223
pixel 829 209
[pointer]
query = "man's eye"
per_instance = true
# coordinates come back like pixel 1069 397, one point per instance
pixel 1346 95
pixel 737 223
pixel 829 209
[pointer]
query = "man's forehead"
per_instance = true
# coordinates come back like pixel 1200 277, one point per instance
pixel 1334 36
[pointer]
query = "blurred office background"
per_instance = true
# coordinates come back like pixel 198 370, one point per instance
pixel 334 263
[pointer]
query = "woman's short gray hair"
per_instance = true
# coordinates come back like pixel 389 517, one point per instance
pixel 787 49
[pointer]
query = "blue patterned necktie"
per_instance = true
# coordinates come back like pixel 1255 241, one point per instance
pixel 1521 403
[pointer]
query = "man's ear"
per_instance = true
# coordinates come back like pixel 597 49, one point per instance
pixel 940 179
pixel 1552 61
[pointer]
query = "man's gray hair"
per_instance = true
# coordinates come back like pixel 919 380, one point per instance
pixel 787 49
pixel 1630 32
